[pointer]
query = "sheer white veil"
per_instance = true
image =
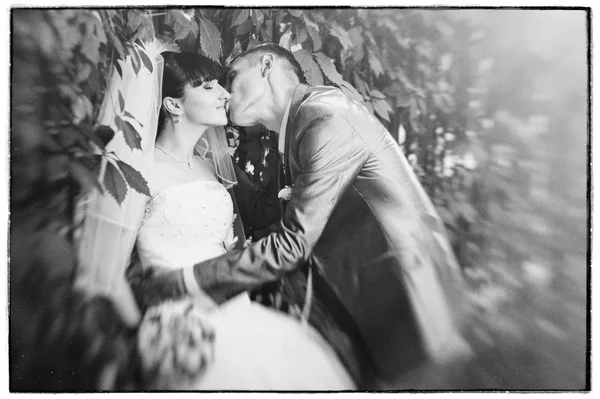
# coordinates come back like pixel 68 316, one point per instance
pixel 213 145
pixel 109 230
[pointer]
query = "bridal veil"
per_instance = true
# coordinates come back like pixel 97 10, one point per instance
pixel 109 229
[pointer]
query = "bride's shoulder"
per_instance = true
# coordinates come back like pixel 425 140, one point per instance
pixel 158 178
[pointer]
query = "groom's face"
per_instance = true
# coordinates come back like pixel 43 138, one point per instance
pixel 247 88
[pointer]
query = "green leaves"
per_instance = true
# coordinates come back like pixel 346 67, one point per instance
pixel 122 176
pixel 382 108
pixel 351 92
pixel 105 134
pixel 313 31
pixel 121 102
pixel 114 183
pixel 244 28
pixel 137 60
pixel 134 178
pixel 342 35
pixel 140 24
pixel 184 24
pixel 374 93
pixel 332 74
pixel 309 66
pixel 285 40
pixel 90 48
pixel 82 108
pixel 118 67
pixel 237 49
pixel 295 13
pixel 361 85
pixel 252 43
pixel 266 31
pixel 146 61
pixel 395 60
pixel 240 16
pixel 69 34
pixel 258 17
pixel 402 96
pixel 329 69
pixel 355 35
pixel 444 102
pixel 132 137
pixel 138 57
pixel 127 114
pixel 210 39
pixel 301 35
pixel 414 114
pixel 375 64
pixel 86 174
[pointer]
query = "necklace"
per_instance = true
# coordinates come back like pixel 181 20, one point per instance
pixel 190 162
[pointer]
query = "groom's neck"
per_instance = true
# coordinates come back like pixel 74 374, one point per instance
pixel 281 100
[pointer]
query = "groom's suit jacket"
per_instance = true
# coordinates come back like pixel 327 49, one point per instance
pixel 357 214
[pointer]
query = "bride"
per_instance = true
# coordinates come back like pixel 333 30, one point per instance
pixel 192 344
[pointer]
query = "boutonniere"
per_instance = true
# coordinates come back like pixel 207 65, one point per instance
pixel 285 193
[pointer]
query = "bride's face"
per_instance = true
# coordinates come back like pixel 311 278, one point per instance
pixel 205 105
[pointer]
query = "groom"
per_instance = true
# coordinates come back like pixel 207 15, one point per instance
pixel 382 275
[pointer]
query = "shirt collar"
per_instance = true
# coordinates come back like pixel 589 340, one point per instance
pixel 286 114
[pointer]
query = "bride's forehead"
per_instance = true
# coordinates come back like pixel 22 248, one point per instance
pixel 206 83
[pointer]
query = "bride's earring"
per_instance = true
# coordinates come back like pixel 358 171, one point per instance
pixel 177 116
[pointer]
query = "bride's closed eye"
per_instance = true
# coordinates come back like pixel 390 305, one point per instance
pixel 210 85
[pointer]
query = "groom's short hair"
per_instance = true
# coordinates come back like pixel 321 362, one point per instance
pixel 289 61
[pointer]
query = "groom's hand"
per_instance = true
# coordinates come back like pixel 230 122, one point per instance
pixel 156 285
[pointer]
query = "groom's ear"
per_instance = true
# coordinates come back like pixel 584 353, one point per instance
pixel 266 64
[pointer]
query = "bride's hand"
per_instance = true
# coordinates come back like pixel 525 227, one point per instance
pixel 231 239
pixel 229 243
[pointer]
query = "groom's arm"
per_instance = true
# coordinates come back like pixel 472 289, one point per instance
pixel 330 158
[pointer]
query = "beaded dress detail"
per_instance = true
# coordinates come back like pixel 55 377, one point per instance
pixel 240 345
pixel 185 224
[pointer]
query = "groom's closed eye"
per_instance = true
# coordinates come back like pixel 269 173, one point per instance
pixel 229 78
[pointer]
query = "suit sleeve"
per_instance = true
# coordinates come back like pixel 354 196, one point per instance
pixel 330 158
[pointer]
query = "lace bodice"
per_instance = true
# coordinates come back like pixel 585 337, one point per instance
pixel 237 346
pixel 185 224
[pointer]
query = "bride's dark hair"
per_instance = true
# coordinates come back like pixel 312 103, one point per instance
pixel 181 69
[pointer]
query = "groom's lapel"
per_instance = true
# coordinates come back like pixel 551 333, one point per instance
pixel 297 98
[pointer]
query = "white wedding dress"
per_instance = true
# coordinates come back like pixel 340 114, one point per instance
pixel 255 348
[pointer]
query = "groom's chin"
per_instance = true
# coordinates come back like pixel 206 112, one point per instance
pixel 240 120
pixel 238 123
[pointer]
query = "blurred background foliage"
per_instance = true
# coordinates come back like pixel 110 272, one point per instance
pixel 490 107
